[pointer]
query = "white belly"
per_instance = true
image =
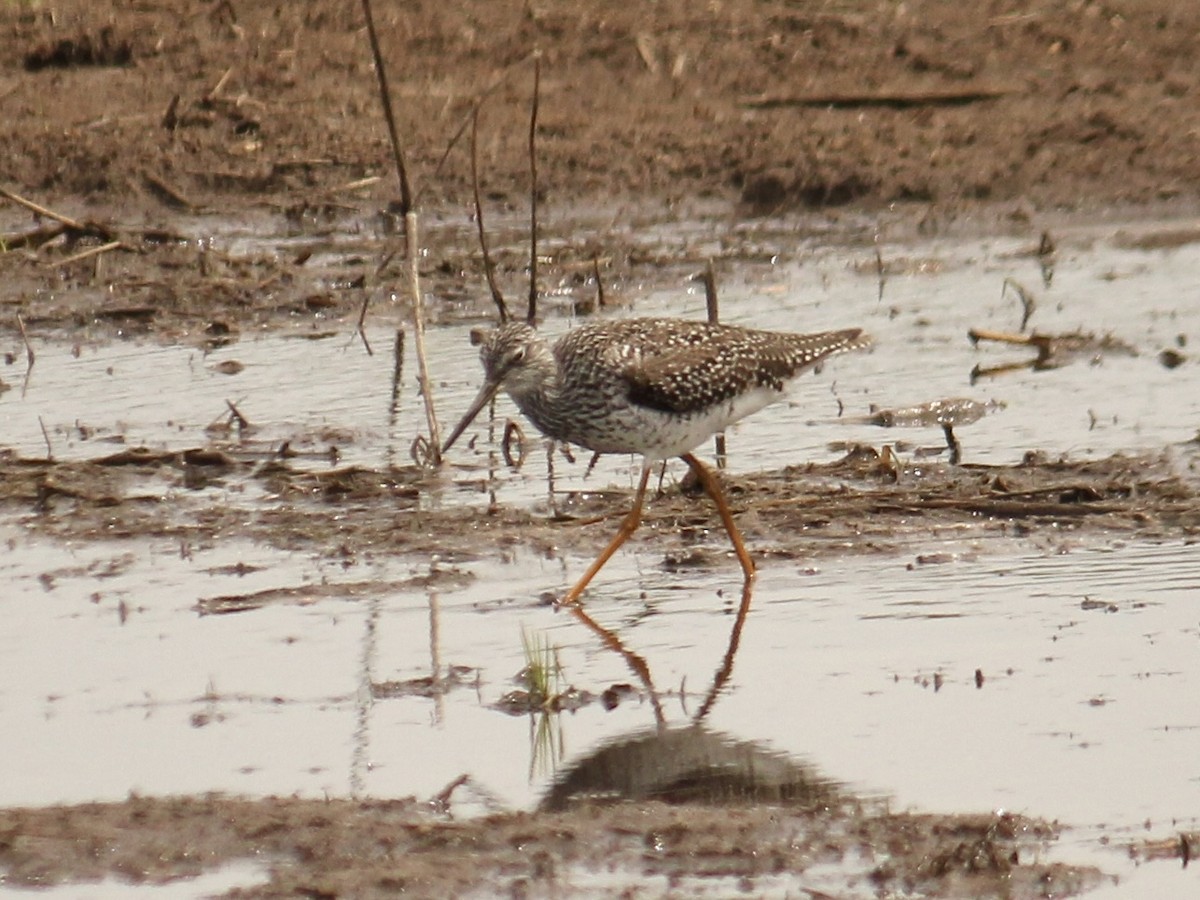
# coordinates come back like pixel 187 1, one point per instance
pixel 659 435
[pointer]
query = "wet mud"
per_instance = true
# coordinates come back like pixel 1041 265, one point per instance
pixel 378 849
pixel 865 502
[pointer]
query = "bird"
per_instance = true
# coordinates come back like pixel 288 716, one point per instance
pixel 658 387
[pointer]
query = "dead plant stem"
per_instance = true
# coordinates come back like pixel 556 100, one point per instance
pixel 414 285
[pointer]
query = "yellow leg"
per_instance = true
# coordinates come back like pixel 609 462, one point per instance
pixel 713 488
pixel 628 527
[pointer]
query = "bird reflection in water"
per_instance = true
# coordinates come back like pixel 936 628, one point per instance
pixel 686 763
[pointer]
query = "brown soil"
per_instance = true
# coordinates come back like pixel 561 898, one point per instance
pixel 152 127
pixel 780 103
pixel 161 124
pixel 346 848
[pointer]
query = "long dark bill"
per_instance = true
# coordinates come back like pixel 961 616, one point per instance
pixel 482 399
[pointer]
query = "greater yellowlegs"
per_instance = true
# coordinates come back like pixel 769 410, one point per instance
pixel 657 387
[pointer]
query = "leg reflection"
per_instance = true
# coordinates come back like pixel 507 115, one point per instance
pixel 641 669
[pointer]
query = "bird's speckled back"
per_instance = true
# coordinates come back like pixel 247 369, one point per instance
pixel 650 385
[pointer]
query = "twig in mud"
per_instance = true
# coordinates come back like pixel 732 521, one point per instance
pixel 46 438
pixel 712 304
pixel 882 98
pixel 169 194
pixel 1028 301
pixel 74 224
pixel 170 118
pixel 646 50
pixel 397 367
pixel 411 235
pixel 90 228
pixel 1053 350
pixel 87 254
pixel 599 281
pixel 441 800
pixel 383 264
pixel 880 270
pixel 215 90
pixel 531 315
pixel 1047 254
pixel 235 415
pixel 489 268
pixel 35 238
pixel 361 331
pixel 355 185
pixel 1042 342
pixel 29 354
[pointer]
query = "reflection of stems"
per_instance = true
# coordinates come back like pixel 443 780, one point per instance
pixel 363 701
pixel 548 746
pixel 735 638
pixel 29 355
pixel 435 657
pixel 397 379
pixel 543 674
pixel 636 664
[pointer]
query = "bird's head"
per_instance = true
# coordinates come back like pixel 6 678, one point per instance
pixel 515 358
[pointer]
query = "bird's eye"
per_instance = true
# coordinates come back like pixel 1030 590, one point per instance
pixel 518 356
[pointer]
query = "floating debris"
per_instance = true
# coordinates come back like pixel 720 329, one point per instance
pixel 952 411
pixel 1171 359
pixel 1053 350
pixel 947 414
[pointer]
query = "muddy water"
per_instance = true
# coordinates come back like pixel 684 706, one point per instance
pixel 1088 649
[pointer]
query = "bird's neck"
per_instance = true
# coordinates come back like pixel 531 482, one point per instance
pixel 539 395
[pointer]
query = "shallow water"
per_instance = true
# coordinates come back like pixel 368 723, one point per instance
pixel 233 876
pixel 864 665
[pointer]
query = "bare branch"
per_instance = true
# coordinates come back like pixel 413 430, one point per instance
pixel 709 277
pixel 599 281
pixel 385 96
pixel 531 316
pixel 462 128
pixel 489 268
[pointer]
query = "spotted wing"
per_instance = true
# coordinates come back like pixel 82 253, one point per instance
pixel 726 363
